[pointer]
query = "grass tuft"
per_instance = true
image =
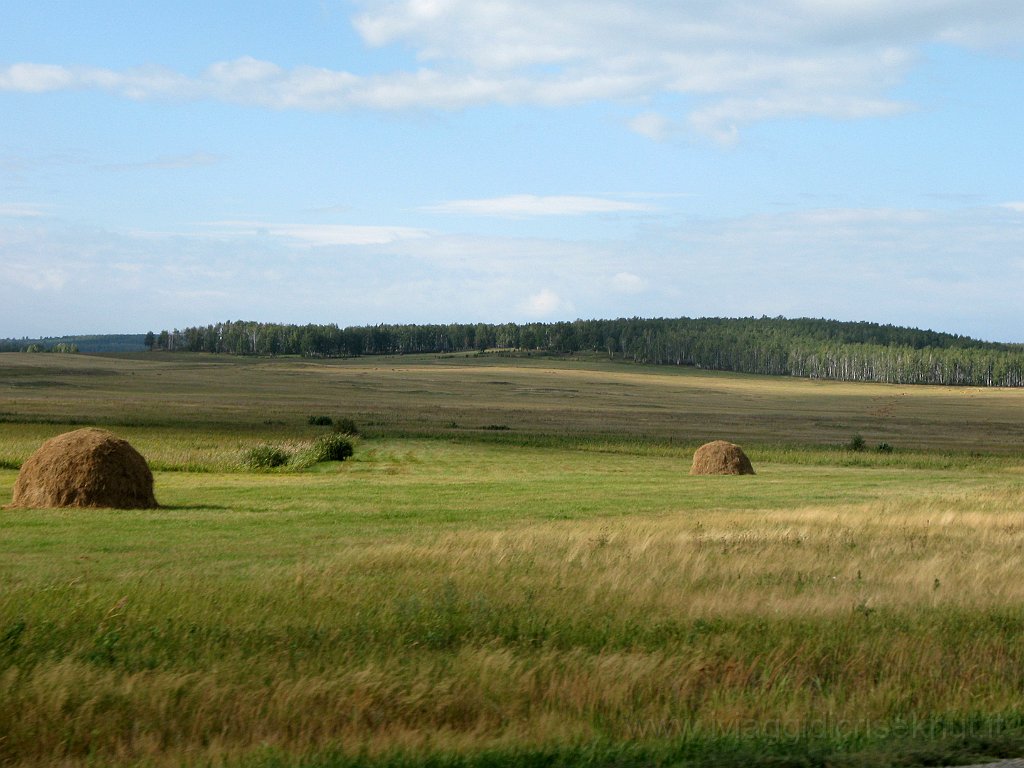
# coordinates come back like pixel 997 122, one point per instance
pixel 265 457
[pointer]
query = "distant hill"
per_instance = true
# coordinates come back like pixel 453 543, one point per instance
pixel 113 342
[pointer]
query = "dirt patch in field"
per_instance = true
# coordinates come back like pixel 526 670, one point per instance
pixel 85 468
pixel 721 458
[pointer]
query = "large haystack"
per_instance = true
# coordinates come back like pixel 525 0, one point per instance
pixel 85 468
pixel 720 458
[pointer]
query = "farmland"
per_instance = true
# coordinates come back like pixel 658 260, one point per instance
pixel 514 568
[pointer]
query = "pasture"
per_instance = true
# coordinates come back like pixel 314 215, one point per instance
pixel 514 569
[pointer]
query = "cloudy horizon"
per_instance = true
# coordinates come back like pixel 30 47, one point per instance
pixel 511 160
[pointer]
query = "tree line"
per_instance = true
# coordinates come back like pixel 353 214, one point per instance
pixel 804 347
pixel 10 345
pixel 107 342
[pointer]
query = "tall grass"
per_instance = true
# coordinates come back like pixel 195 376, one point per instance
pixel 446 397
pixel 394 607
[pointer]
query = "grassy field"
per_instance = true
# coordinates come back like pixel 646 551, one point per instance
pixel 514 569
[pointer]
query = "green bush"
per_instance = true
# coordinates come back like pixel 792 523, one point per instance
pixel 330 448
pixel 884 448
pixel 265 457
pixel 856 443
pixel 320 421
pixel 345 426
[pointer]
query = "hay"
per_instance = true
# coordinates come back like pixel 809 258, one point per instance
pixel 720 458
pixel 85 468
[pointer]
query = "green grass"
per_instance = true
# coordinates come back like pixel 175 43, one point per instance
pixel 559 593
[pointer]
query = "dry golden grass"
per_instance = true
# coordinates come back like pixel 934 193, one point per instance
pixel 458 395
pixel 709 621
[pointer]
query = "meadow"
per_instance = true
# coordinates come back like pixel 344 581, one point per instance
pixel 514 569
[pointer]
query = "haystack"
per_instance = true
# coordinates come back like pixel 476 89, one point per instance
pixel 85 468
pixel 720 458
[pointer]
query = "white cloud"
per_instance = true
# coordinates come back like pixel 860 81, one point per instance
pixel 627 282
pixel 943 269
pixel 315 234
pixel 243 70
pixel 652 125
pixel 35 78
pixel 21 210
pixel 545 303
pixel 735 61
pixel 1018 207
pixel 847 217
pixel 515 206
pixel 721 121
pixel 36 278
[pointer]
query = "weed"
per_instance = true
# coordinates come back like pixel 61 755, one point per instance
pixel 333 447
pixel 265 457
pixel 11 637
pixel 345 426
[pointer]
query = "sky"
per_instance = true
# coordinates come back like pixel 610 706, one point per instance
pixel 358 162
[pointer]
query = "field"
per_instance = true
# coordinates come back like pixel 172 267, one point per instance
pixel 514 569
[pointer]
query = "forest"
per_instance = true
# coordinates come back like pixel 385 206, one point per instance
pixel 94 343
pixel 803 347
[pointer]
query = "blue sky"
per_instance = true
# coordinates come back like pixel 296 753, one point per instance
pixel 165 165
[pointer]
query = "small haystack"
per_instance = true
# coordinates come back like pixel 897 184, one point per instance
pixel 720 458
pixel 85 468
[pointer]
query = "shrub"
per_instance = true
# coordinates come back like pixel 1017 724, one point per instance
pixel 320 421
pixel 330 448
pixel 884 448
pixel 345 426
pixel 856 443
pixel 265 457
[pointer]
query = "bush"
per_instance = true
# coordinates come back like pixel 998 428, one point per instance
pixel 330 448
pixel 856 443
pixel 320 421
pixel 884 448
pixel 345 426
pixel 265 457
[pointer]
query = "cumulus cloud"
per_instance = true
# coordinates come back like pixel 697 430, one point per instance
pixel 627 282
pixel 516 206
pixel 35 78
pixel 735 62
pixel 544 303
